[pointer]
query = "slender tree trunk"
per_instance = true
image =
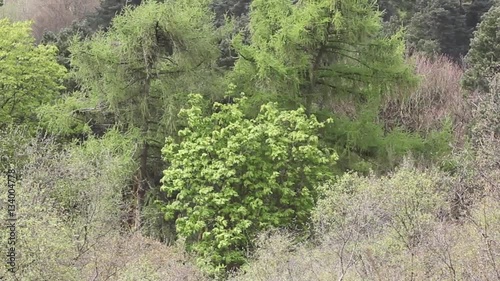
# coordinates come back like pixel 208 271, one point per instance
pixel 142 186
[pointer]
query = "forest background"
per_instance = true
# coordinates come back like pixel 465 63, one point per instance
pixel 252 140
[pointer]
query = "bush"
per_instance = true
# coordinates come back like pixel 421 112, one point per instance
pixel 359 221
pixel 25 85
pixel 485 136
pixel 231 177
pixel 438 98
pixel 396 227
pixel 388 217
pixel 69 211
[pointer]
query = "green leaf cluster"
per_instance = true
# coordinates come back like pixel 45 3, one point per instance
pixel 232 176
pixel 29 75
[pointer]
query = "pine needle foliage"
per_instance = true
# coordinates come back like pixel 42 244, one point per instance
pixel 312 51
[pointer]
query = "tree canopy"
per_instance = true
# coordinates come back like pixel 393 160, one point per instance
pixel 29 74
pixel 138 73
pixel 483 60
pixel 232 177
pixel 206 123
pixel 311 51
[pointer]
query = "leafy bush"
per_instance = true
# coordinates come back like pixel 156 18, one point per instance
pixel 69 214
pixel 385 228
pixel 485 135
pixel 401 206
pixel 231 177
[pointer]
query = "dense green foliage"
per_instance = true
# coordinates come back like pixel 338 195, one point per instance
pixel 303 115
pixel 483 60
pixel 440 27
pixel 136 76
pixel 143 62
pixel 436 26
pixel 313 51
pixel 232 177
pixel 29 74
pixel 320 55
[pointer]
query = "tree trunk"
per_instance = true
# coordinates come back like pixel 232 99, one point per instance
pixel 142 185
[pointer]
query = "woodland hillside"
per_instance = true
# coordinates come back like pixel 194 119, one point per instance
pixel 250 140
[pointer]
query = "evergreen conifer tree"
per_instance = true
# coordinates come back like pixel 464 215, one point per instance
pixel 483 59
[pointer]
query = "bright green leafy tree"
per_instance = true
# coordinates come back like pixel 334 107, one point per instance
pixel 233 176
pixel 29 74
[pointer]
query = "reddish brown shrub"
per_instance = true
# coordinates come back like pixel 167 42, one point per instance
pixel 48 15
pixel 437 98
